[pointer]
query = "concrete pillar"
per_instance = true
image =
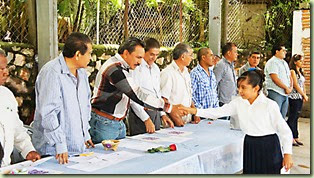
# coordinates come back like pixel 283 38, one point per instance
pixel 47 31
pixel 214 25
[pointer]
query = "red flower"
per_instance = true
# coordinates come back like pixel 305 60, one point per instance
pixel 173 147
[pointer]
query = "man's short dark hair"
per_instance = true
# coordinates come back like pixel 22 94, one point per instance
pixel 151 43
pixel 75 42
pixel 276 47
pixel 179 49
pixel 227 47
pixel 129 44
pixel 254 52
pixel 201 52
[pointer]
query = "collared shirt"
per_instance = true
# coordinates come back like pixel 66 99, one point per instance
pixel 245 68
pixel 204 88
pixel 148 78
pixel 114 87
pixel 260 118
pixel 176 86
pixel 62 109
pixel 226 80
pixel 280 67
pixel 12 132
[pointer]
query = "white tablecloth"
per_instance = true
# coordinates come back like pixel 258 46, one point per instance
pixel 214 149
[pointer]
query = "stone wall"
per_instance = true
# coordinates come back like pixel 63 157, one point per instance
pixel 23 70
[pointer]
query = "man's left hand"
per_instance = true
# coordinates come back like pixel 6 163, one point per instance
pixel 33 156
pixel 89 143
pixel 167 121
pixel 196 120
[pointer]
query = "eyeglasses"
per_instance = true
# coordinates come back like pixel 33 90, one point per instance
pixel 191 55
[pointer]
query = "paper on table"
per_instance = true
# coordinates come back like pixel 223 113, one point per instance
pixel 174 132
pixel 104 161
pixel 283 171
pixel 138 145
pixel 80 159
pixel 176 139
pixel 148 138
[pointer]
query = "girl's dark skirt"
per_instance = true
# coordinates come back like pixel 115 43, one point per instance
pixel 262 155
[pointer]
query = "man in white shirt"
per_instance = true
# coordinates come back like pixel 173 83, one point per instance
pixel 278 79
pixel 12 132
pixel 147 76
pixel 175 83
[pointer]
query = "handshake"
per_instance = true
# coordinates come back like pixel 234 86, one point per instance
pixel 178 111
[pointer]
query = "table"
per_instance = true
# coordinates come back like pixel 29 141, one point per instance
pixel 214 149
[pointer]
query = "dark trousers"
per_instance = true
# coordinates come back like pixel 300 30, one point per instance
pixel 295 106
pixel 136 125
pixel 224 118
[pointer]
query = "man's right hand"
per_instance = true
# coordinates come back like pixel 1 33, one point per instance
pixel 176 115
pixel 288 90
pixel 62 158
pixel 150 127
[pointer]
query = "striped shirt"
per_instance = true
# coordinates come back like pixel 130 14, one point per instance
pixel 226 80
pixel 295 94
pixel 114 87
pixel 204 88
pixel 280 67
pixel 62 109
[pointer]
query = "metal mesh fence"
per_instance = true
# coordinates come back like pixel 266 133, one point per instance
pixel 160 22
pixel 13 21
pixel 235 11
pixel 246 22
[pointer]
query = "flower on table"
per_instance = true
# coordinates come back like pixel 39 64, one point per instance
pixel 161 149
pixel 173 147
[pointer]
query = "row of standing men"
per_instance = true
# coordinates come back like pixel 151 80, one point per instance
pixel 66 121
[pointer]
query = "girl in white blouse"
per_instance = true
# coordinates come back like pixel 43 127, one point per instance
pixel 261 121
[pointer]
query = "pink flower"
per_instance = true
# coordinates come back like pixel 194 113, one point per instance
pixel 173 147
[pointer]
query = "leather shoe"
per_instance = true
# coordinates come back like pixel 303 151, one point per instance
pixel 295 144
pixel 299 143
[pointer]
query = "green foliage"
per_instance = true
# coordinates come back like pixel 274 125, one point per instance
pixel 279 17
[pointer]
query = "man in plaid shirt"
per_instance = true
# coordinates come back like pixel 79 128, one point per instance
pixel 204 85
pixel 114 87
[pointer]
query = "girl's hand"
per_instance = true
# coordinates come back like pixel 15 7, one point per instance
pixel 287 161
pixel 305 98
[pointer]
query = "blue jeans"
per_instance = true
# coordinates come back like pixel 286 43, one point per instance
pixel 105 129
pixel 281 100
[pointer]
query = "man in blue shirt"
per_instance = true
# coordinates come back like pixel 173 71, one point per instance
pixel 63 106
pixel 204 86
pixel 225 74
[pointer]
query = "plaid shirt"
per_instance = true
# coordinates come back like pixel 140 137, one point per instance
pixel 114 87
pixel 204 88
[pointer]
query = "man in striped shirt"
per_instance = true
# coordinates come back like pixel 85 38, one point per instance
pixel 114 87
